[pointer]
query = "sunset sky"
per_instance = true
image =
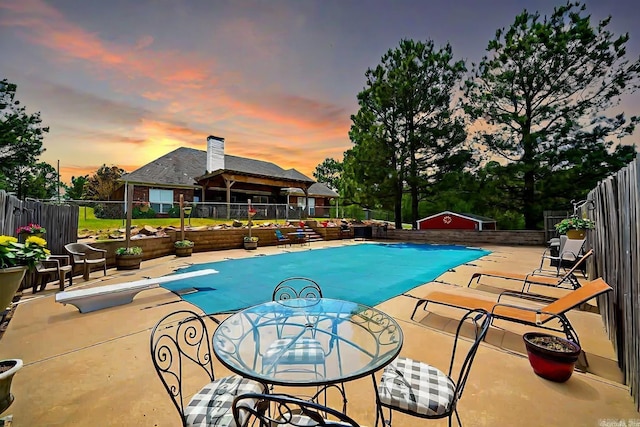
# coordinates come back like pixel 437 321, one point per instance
pixel 123 82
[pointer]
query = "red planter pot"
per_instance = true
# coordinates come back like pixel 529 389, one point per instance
pixel 551 364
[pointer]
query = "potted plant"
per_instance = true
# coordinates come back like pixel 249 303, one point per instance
pixel 31 229
pixel 128 258
pixel 551 357
pixel 575 228
pixel 250 243
pixel 183 247
pixel 15 259
pixel 8 369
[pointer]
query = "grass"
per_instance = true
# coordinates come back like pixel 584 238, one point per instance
pixel 88 223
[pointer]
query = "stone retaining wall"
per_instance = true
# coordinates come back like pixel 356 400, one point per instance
pixel 215 240
pixel 471 237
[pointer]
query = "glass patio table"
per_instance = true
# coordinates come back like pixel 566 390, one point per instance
pixel 307 342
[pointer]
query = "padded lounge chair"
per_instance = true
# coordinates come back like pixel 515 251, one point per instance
pixel 569 279
pixel 538 317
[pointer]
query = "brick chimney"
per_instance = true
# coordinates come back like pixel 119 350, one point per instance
pixel 215 153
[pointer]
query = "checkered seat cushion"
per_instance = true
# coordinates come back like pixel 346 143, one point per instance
pixel 416 387
pixel 211 406
pixel 302 420
pixel 303 351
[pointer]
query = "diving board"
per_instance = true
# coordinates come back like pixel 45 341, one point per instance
pixel 87 300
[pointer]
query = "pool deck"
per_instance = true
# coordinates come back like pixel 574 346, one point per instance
pixel 94 369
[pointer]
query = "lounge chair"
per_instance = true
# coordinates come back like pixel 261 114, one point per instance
pixel 534 278
pixel 539 317
pixel 282 240
pixel 570 253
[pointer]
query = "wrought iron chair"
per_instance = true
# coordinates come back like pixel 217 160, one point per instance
pixel 306 350
pixel 180 349
pixel 287 289
pixel 424 391
pixel 87 257
pixel 283 410
pixel 57 266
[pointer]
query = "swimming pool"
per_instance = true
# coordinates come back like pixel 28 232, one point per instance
pixel 366 273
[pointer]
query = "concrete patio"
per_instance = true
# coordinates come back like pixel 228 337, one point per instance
pixel 94 369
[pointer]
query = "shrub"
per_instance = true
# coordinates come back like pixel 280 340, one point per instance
pixel 183 244
pixel 131 250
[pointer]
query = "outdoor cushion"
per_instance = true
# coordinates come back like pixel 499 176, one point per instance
pixel 211 406
pixel 304 350
pixel 416 387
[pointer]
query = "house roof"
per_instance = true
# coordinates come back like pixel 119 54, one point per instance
pixel 472 217
pixel 183 165
pixel 316 189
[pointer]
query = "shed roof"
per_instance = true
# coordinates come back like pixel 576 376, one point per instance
pixel 472 217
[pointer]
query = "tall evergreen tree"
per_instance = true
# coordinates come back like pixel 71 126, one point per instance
pixel 544 90
pixel 21 136
pixel 405 132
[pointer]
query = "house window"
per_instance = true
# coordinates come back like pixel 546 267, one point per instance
pixel 312 205
pixel 260 199
pixel 161 200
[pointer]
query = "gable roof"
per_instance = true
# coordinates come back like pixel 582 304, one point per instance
pixel 472 217
pixel 316 189
pixel 182 166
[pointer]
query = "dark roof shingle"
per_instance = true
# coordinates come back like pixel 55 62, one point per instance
pixel 181 166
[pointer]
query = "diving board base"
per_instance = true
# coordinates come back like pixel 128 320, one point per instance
pixel 92 299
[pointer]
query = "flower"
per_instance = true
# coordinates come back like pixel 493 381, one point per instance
pixel 250 239
pixel 574 223
pixel 183 244
pixel 14 253
pixel 31 229
pixel 132 250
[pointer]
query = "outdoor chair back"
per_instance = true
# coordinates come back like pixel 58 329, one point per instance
pixel 296 287
pixel 181 353
pixel 284 410
pixel 419 389
pixel 87 257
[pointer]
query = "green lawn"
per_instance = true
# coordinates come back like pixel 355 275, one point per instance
pixel 87 222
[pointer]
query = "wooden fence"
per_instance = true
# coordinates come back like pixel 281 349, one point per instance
pixel 60 221
pixel 615 206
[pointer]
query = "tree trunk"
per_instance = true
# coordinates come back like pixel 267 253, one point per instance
pixel 528 196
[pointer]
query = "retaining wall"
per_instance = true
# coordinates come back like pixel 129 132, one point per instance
pixel 215 240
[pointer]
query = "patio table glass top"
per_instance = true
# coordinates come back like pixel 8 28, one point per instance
pixel 307 342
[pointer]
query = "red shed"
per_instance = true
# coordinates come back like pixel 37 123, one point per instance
pixel 448 220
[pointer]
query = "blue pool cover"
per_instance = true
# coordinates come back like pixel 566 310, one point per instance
pixel 366 273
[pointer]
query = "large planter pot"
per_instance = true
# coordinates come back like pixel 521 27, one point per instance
pixel 251 245
pixel 576 234
pixel 555 364
pixel 185 251
pixel 128 262
pixel 10 279
pixel 8 369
